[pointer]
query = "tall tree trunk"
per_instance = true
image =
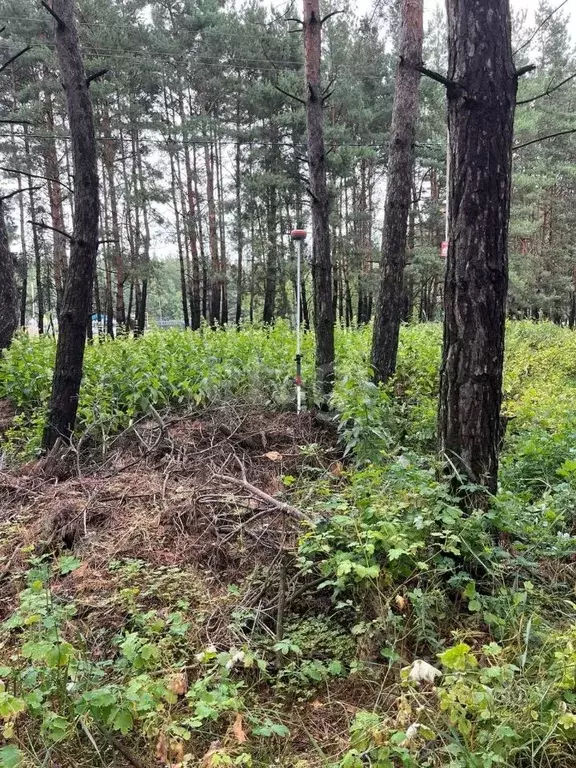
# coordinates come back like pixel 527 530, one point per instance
pixel 324 314
pixel 56 207
pixel 481 100
pixel 181 257
pixel 23 257
pixel 222 270
pixel 191 220
pixel 35 240
pixel 215 302
pixel 108 158
pixel 8 287
pixel 398 193
pixel 80 274
pixel 145 261
pixel 269 312
pixel 239 227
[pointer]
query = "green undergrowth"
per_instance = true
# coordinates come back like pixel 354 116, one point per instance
pixel 418 635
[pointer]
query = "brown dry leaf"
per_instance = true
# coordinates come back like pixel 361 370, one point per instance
pixel 162 750
pixel 316 704
pixel 207 761
pixel 337 469
pixel 273 456
pixel 400 602
pixel 238 730
pixel 176 752
pixel 178 683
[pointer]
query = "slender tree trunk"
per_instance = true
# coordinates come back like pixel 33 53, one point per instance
pixel 80 274
pixel 55 199
pixel 480 117
pixel 35 240
pixel 181 259
pixel 215 303
pixel 324 315
pixel 192 219
pixel 23 258
pixel 269 312
pixel 145 268
pixel 239 223
pixel 222 269
pixel 108 158
pixel 397 206
pixel 8 287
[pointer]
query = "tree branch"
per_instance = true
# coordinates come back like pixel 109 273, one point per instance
pixel 434 76
pixel 53 14
pixel 13 58
pixel 539 27
pixel 42 225
pixel 36 176
pixel 14 121
pixel 17 192
pixel 260 494
pixel 298 21
pixel 548 91
pixel 291 95
pixel 95 75
pixel 543 138
pixel 329 15
pixel 525 69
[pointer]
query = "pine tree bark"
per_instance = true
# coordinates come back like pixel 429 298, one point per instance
pixel 108 158
pixel 215 298
pixel 80 275
pixel 23 257
pixel 324 313
pixel 8 287
pixel 481 100
pixel 398 193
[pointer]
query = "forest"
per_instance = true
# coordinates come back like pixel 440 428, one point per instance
pixel 287 384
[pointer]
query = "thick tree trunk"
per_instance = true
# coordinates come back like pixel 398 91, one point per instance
pixel 398 193
pixel 8 287
pixel 79 278
pixel 481 101
pixel 324 314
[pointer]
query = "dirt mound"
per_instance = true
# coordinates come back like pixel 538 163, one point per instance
pixel 205 489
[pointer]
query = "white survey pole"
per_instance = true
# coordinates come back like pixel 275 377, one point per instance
pixel 300 236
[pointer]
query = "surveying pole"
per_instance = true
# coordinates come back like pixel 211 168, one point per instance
pixel 300 236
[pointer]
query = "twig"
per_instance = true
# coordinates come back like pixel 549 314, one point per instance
pixel 543 138
pixel 17 192
pixel 281 608
pixel 548 91
pixel 35 176
pixel 329 15
pixel 42 225
pixel 539 27
pixel 118 746
pixel 286 93
pixel 13 58
pixel 259 493
pixel 15 121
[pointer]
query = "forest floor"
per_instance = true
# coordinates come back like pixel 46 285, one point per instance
pixel 204 578
pixel 181 511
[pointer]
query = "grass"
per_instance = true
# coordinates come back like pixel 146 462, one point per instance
pixel 151 608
